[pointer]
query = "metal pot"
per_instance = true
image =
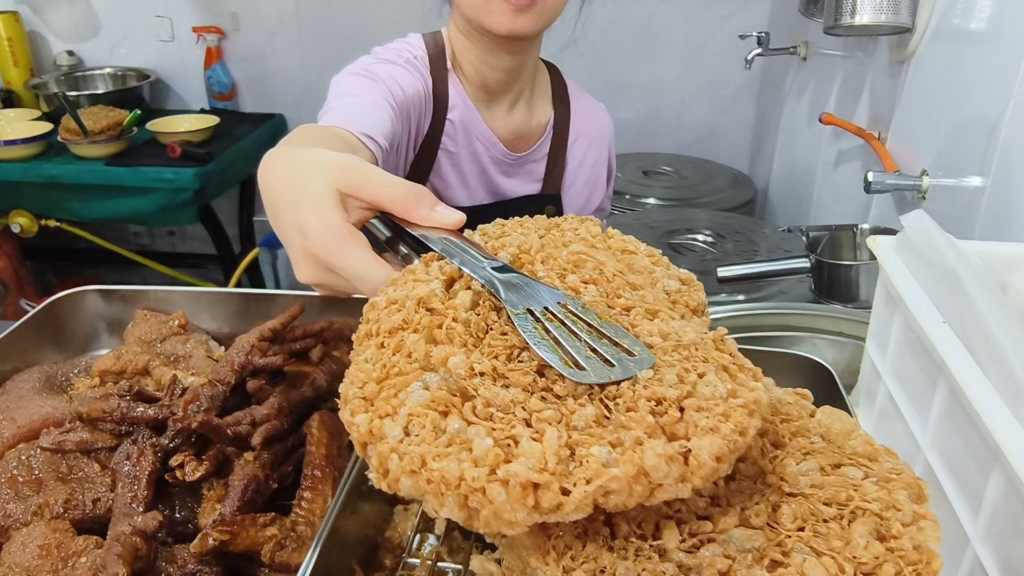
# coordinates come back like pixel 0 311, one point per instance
pixel 650 181
pixel 813 9
pixel 125 88
pixel 869 17
pixel 843 270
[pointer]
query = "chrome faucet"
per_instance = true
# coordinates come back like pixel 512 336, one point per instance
pixel 765 50
pixel 881 182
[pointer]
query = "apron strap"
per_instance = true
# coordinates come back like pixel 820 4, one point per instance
pixel 555 171
pixel 426 155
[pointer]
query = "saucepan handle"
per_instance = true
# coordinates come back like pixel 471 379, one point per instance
pixel 764 270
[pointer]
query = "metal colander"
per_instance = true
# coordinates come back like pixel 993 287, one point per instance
pixel 813 9
pixel 869 17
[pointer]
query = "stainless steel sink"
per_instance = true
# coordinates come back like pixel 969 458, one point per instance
pixel 831 335
pixel 798 370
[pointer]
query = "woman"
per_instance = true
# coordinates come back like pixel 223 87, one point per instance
pixel 469 118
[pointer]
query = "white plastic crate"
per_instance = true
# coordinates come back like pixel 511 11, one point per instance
pixel 923 394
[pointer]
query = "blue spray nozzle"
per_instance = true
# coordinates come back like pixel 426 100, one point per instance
pixel 270 242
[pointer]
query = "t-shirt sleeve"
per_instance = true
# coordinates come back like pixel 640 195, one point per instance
pixel 384 99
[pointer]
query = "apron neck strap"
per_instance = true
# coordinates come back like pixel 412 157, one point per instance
pixel 426 155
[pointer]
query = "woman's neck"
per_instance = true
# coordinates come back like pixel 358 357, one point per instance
pixel 497 73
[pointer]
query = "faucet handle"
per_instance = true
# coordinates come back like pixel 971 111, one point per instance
pixel 763 37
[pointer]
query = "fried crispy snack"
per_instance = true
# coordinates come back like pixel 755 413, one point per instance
pixel 449 406
pixel 814 495
pixel 101 121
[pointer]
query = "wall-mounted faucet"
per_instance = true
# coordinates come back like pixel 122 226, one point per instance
pixel 879 182
pixel 889 179
pixel 764 49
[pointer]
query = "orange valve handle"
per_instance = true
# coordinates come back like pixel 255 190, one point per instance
pixel 888 164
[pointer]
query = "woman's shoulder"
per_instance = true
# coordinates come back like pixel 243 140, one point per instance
pixel 409 49
pixel 590 118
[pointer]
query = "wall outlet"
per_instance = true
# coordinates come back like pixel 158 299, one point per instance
pixel 164 29
pixel 236 23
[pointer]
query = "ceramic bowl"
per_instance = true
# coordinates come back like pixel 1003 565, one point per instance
pixel 24 140
pixel 13 115
pixel 192 128
pixel 97 149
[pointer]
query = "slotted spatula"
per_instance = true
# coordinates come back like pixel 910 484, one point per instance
pixel 569 335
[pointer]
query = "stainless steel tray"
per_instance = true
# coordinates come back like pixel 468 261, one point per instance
pixel 91 320
pixel 349 539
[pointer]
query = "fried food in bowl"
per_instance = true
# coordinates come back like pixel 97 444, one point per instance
pixel 102 122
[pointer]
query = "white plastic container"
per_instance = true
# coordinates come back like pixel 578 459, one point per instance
pixel 923 394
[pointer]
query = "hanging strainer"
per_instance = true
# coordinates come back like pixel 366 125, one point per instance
pixel 813 9
pixel 869 17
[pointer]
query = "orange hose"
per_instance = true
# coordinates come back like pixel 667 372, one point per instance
pixel 888 164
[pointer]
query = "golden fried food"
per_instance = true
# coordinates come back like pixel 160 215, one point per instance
pixel 101 121
pixel 449 406
pixel 814 495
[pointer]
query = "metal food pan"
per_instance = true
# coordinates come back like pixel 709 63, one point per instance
pixel 91 321
pixel 349 542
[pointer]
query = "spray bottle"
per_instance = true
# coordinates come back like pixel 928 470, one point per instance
pixel 220 86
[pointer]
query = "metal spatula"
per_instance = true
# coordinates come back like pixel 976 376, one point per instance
pixel 569 335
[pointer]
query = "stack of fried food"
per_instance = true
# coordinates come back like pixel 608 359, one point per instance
pixel 101 121
pixel 698 466
pixel 173 455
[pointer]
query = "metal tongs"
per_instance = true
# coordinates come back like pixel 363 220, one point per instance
pixel 568 335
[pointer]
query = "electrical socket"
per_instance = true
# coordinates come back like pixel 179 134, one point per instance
pixel 236 23
pixel 164 29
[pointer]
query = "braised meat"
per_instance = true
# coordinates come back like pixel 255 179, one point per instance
pixel 134 524
pixel 39 485
pixel 77 436
pixel 281 542
pixel 51 548
pixel 37 399
pixel 178 560
pixel 169 435
pixel 156 348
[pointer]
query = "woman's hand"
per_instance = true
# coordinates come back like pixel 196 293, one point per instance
pixel 319 186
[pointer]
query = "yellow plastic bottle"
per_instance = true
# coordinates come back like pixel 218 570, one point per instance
pixel 16 66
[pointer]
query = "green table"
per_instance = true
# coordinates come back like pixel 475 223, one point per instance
pixel 60 185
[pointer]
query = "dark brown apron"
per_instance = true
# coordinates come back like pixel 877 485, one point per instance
pixel 549 200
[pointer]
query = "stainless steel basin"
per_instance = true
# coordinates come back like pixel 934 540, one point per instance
pixel 797 370
pixel 833 335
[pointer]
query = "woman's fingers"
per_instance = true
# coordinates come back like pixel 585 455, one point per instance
pixel 348 262
pixel 385 192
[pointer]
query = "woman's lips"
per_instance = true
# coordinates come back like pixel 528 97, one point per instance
pixel 521 4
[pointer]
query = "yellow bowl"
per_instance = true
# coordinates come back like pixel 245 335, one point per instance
pixel 12 115
pixel 24 140
pixel 98 149
pixel 193 128
pixel 22 151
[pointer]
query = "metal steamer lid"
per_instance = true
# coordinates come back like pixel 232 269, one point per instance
pixel 702 240
pixel 655 180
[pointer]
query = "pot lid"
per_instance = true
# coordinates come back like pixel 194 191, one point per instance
pixel 702 240
pixel 683 180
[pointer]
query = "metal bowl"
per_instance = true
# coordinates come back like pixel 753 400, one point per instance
pixel 120 87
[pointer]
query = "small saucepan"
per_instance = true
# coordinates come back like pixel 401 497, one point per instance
pixel 843 270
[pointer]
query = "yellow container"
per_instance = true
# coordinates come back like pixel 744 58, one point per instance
pixel 15 58
pixel 192 128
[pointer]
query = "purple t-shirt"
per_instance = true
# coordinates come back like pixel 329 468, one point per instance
pixel 384 98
